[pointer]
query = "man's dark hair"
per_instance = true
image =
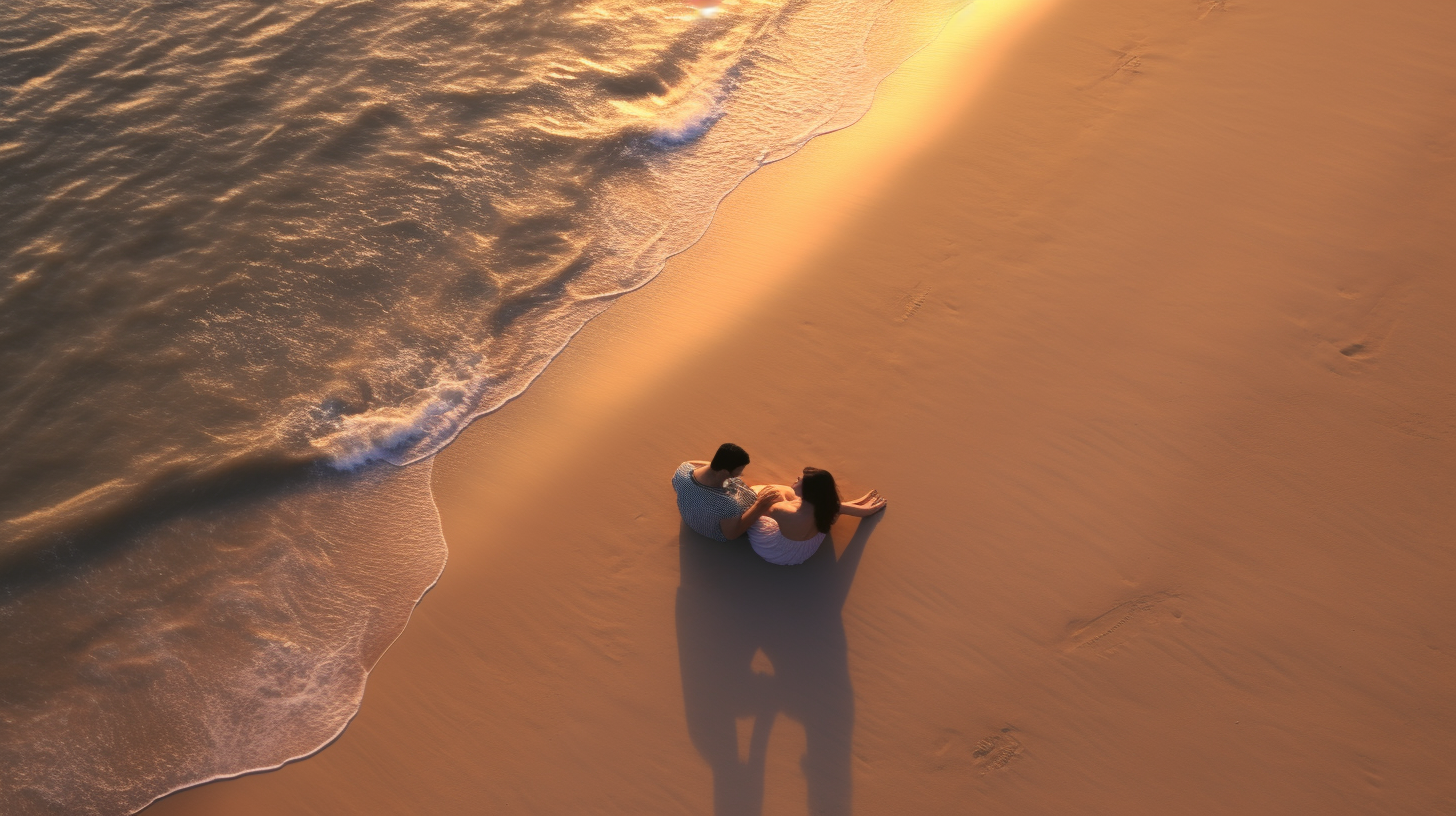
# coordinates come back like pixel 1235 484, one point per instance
pixel 729 457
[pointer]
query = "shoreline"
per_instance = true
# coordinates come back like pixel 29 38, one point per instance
pixel 1146 348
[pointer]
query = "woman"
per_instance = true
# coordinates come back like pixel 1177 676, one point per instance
pixel 794 526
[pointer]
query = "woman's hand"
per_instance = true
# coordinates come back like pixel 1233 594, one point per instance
pixel 866 505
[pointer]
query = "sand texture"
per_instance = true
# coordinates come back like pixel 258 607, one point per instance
pixel 1142 314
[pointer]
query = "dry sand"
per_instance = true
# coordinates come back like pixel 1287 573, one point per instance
pixel 1141 314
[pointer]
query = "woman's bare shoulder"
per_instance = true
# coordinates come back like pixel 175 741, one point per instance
pixel 784 509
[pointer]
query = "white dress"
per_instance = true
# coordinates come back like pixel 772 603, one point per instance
pixel 770 543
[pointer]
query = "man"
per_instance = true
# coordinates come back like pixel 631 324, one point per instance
pixel 713 500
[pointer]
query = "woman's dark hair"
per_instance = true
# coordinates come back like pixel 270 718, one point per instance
pixel 819 490
pixel 729 457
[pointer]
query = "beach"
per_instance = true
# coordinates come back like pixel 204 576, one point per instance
pixel 1137 312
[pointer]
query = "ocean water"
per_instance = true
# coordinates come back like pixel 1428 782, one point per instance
pixel 258 261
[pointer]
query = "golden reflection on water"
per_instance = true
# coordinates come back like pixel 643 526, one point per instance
pixel 767 231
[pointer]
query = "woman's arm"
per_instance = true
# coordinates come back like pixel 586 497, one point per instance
pixel 866 505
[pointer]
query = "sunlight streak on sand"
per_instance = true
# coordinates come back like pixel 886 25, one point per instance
pixel 759 241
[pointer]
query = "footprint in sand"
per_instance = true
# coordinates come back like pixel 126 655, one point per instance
pixel 954 752
pixel 1367 345
pixel 1118 624
pixel 996 751
pixel 912 303
pixel 1354 322
pixel 1363 350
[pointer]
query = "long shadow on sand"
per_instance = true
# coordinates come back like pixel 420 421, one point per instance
pixel 730 605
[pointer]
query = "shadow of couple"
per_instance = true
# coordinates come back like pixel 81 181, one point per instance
pixel 731 605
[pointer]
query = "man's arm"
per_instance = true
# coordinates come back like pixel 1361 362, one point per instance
pixel 738 525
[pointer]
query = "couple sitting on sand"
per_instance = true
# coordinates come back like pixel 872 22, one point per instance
pixel 785 523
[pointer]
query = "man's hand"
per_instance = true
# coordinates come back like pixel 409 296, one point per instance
pixel 772 493
pixel 735 527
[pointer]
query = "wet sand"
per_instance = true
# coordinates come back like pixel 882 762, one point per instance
pixel 1138 312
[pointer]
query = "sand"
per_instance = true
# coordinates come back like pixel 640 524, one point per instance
pixel 1138 311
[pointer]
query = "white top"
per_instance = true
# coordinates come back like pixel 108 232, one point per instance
pixel 770 543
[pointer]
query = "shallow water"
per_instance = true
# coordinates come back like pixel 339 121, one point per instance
pixel 186 647
pixel 255 254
